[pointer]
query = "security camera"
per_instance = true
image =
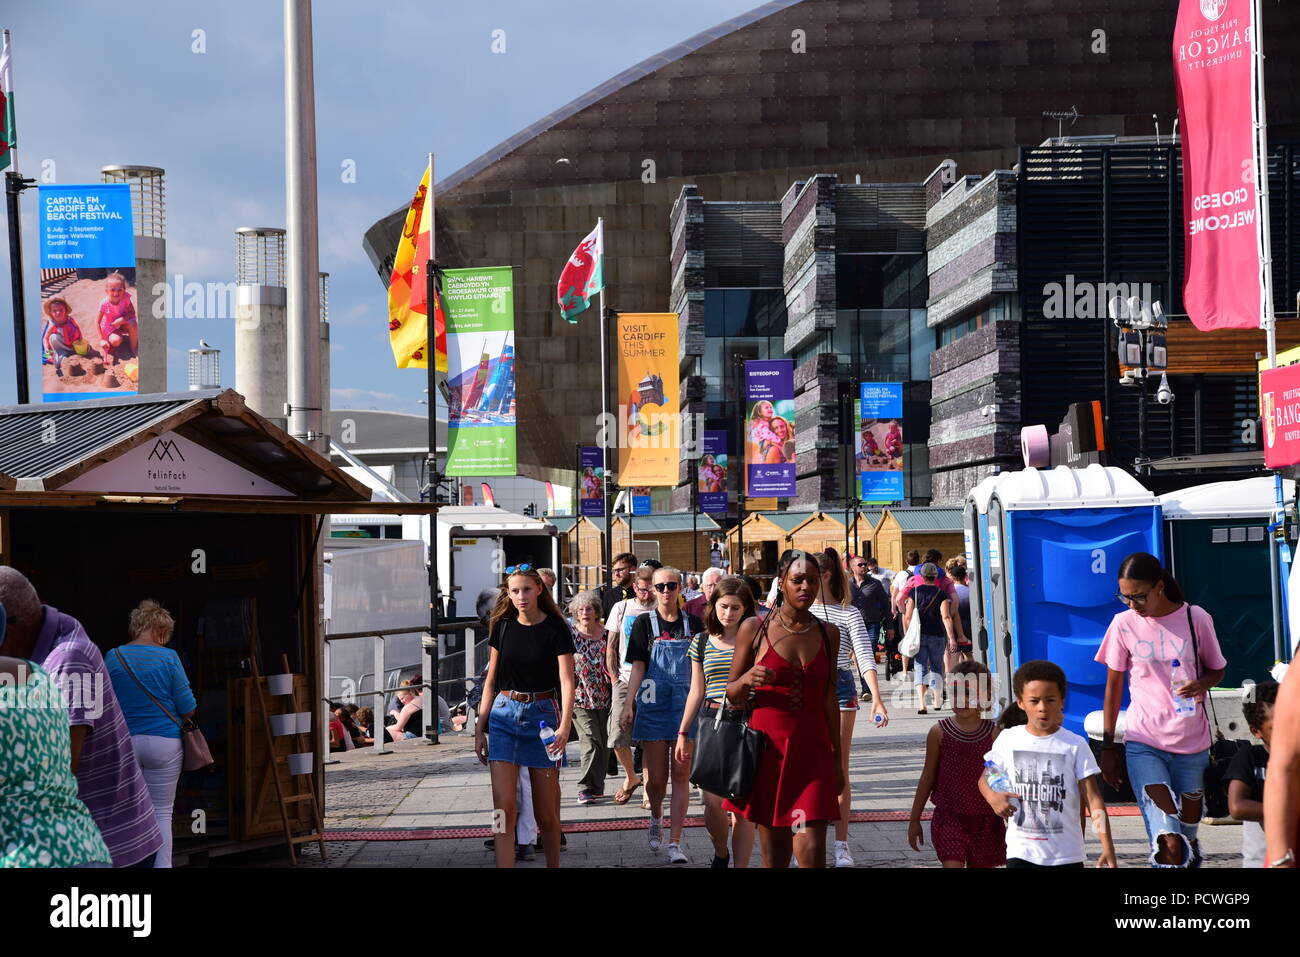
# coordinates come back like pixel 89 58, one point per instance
pixel 1164 395
pixel 1128 378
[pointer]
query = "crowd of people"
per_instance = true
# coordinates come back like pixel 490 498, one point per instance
pixel 637 672
pixel 639 667
pixel 90 744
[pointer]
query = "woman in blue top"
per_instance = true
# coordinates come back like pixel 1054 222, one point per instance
pixel 148 678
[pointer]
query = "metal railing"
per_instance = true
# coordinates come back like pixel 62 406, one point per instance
pixel 471 655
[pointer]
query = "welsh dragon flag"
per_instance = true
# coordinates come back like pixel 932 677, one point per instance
pixel 8 135
pixel 407 298
pixel 583 275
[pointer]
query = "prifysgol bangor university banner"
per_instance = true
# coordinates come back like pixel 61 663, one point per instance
pixel 1280 408
pixel 1214 71
pixel 649 399
pixel 481 371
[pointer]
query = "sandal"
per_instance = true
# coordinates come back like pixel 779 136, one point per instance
pixel 625 794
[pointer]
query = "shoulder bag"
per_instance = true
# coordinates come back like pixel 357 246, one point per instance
pixel 910 643
pixel 1222 751
pixel 197 754
pixel 727 749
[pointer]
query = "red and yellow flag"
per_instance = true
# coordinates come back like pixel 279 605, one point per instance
pixel 407 297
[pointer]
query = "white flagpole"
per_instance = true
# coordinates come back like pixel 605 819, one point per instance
pixel 1268 317
pixel 604 406
pixel 7 58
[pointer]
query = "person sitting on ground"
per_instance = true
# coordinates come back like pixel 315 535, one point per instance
pixel 409 721
pixel 340 740
pixel 366 723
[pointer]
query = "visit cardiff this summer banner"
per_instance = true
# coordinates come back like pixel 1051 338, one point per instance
pixel 649 390
pixel 480 371
pixel 769 428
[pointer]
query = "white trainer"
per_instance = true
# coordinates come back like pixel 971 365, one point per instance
pixel 676 855
pixel 655 833
pixel 842 856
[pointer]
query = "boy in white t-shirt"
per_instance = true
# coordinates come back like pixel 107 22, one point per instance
pixel 1053 772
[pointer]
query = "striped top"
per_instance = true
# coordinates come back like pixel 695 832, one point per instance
pixel 717 666
pixel 849 621
pixel 109 781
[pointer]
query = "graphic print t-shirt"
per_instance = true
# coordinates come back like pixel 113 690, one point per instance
pixel 1046 772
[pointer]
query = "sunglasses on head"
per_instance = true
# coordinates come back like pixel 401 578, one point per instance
pixel 519 568
pixel 665 586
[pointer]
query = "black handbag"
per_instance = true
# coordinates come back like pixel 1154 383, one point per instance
pixel 1222 751
pixel 727 749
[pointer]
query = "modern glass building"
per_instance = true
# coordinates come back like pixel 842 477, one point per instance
pixel 863 91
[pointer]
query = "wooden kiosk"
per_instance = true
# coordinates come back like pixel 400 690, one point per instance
pixel 198 502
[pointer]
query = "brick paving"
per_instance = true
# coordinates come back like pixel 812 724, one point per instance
pixel 423 786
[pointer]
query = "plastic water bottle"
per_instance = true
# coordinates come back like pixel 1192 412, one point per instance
pixel 998 780
pixel 548 741
pixel 1180 677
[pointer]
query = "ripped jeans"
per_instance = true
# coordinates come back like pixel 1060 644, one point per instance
pixel 1176 774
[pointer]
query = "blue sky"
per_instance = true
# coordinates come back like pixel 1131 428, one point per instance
pixel 98 84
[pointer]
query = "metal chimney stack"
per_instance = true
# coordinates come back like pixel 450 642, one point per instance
pixel 147 214
pixel 325 354
pixel 261 363
pixel 204 367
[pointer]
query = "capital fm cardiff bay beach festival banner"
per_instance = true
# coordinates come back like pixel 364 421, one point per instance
pixel 713 472
pixel 90 335
pixel 591 485
pixel 649 391
pixel 878 442
pixel 480 306
pixel 769 428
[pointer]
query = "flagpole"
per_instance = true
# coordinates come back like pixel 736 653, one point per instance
pixel 1268 317
pixel 433 284
pixel 14 186
pixel 604 432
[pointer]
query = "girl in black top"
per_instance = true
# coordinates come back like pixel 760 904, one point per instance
pixel 529 680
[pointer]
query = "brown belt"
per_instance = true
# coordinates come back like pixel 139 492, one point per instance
pixel 528 696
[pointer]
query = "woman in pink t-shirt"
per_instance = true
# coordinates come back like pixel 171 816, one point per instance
pixel 1171 655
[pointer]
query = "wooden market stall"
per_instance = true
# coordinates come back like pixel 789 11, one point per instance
pixel 818 531
pixel 902 529
pixel 862 532
pixel 766 536
pixel 198 502
pixel 671 538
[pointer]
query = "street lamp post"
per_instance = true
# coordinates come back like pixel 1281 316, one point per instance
pixel 1142 352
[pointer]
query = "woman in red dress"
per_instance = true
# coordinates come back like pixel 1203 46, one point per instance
pixel 788 664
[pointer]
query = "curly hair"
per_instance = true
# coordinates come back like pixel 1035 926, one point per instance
pixel 149 616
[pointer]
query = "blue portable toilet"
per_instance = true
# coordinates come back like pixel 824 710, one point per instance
pixel 975 528
pixel 1056 541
